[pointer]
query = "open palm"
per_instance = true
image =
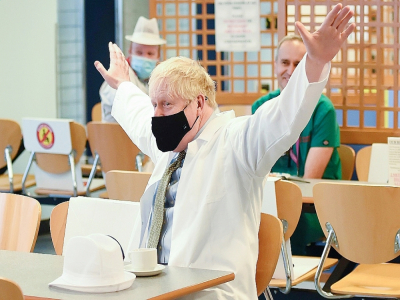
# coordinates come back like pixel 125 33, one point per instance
pixel 324 44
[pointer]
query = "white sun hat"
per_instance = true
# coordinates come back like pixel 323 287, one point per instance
pixel 93 264
pixel 146 33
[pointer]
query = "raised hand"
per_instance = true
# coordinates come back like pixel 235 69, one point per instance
pixel 119 68
pixel 324 44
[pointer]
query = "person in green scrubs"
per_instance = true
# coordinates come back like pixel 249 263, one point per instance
pixel 315 153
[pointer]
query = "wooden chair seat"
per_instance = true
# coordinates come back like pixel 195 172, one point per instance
pixel 361 223
pixel 126 185
pixel 5 184
pixel 363 158
pixel 10 290
pixel 10 141
pixel 289 201
pixel 281 283
pixel 376 280
pixel 347 158
pixel 19 222
pixel 270 236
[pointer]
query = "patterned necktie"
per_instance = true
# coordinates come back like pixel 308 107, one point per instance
pixel 158 211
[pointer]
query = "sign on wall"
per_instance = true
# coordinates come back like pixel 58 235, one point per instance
pixel 237 25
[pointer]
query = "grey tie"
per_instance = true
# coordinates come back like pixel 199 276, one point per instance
pixel 158 211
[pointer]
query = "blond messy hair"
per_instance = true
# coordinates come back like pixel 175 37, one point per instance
pixel 185 78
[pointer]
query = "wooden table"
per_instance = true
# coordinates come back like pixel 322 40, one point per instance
pixel 33 272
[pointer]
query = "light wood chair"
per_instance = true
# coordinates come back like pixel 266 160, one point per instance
pixel 58 221
pixel 347 158
pixel 10 290
pixel 363 159
pixel 362 224
pixel 19 222
pixel 126 185
pixel 60 163
pixel 113 148
pixel 289 201
pixel 11 137
pixel 96 112
pixel 240 110
pixel 270 236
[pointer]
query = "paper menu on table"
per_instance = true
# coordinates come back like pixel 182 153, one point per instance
pixel 394 160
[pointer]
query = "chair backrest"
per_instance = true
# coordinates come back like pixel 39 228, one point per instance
pixel 58 221
pixel 269 242
pixel 363 159
pixel 240 110
pixel 289 201
pixel 347 158
pixel 112 144
pixel 59 163
pixel 365 219
pixel 96 112
pixel 19 222
pixel 126 185
pixel 10 290
pixel 11 135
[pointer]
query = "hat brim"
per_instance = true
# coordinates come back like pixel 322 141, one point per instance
pixel 78 286
pixel 145 40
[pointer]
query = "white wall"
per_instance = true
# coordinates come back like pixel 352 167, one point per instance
pixel 28 58
pixel 27 61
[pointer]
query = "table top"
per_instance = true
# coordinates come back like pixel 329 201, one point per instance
pixel 307 185
pixel 33 272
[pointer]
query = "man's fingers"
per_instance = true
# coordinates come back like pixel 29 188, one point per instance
pixel 304 33
pixel 345 21
pixel 99 66
pixel 348 31
pixel 330 18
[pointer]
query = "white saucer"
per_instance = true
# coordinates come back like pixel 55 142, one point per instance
pixel 157 270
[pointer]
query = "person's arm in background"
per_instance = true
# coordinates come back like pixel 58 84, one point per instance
pixel 325 136
pixel 107 95
pixel 317 160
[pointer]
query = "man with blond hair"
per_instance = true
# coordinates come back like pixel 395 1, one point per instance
pixel 210 166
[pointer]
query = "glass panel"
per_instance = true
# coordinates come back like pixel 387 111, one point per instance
pixel 171 39
pixel 171 25
pixel 339 117
pixel 252 70
pixel 238 86
pixel 369 118
pixel 353 118
pixel 184 40
pixel 170 9
pixel 266 55
pixel 183 9
pixel 252 86
pixel 252 56
pixel 184 52
pixel 266 70
pixel 238 71
pixel 171 53
pixel 184 25
pixel 238 56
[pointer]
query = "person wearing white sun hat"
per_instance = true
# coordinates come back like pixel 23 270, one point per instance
pixel 143 55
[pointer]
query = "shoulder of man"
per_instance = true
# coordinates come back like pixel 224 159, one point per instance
pixel 264 99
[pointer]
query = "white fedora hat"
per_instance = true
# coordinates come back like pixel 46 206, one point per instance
pixel 93 264
pixel 146 33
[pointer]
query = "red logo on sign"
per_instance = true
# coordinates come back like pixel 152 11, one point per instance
pixel 45 136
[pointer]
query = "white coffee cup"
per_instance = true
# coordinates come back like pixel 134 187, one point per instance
pixel 143 259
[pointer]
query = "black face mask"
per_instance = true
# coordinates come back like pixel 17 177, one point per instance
pixel 170 130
